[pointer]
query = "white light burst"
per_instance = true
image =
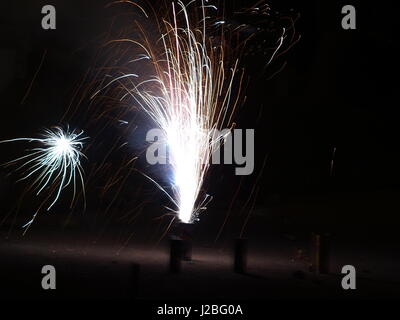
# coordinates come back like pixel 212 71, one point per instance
pixel 188 95
pixel 54 164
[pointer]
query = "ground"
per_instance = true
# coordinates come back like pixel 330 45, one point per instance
pixel 91 265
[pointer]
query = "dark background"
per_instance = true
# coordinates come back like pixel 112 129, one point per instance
pixel 338 90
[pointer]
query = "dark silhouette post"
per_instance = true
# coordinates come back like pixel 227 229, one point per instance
pixel 321 244
pixel 176 255
pixel 240 255
pixel 134 280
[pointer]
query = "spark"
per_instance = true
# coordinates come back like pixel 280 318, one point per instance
pixel 219 23
pixel 123 122
pixel 54 164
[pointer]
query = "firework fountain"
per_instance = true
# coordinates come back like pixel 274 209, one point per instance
pixel 188 96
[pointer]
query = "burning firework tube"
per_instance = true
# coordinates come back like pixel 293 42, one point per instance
pixel 184 232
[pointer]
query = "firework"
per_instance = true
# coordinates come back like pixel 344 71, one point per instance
pixel 185 76
pixel 54 164
pixel 188 96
